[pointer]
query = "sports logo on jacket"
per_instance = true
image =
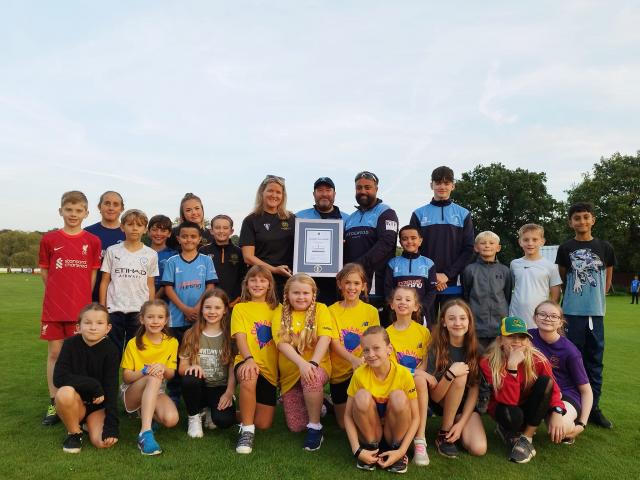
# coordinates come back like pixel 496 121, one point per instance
pixel 391 225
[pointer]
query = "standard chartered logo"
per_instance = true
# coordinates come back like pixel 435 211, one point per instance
pixel 58 264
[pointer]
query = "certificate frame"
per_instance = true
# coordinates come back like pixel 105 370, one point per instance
pixel 318 246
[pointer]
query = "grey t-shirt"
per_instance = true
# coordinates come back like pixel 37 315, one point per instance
pixel 532 280
pixel 215 372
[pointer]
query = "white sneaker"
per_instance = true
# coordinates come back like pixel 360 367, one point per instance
pixel 194 430
pixel 208 421
pixel 420 456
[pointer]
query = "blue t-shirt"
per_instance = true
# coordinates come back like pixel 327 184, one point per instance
pixel 163 256
pixel 189 280
pixel 108 237
pixel 634 286
pixel 586 265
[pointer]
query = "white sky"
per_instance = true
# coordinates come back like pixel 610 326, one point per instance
pixel 154 99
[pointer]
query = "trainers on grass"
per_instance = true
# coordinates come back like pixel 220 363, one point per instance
pixel 313 440
pixel 51 417
pixel 194 430
pixel 400 466
pixel 420 455
pixel 73 443
pixel 597 418
pixel 245 442
pixel 147 444
pixel 522 450
pixel 367 466
pixel 444 447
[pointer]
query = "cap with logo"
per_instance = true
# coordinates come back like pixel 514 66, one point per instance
pixel 324 181
pixel 512 326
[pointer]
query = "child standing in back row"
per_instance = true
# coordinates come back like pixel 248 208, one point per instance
pixel 159 231
pixel 108 230
pixel 128 278
pixel 535 279
pixel 68 261
pixel 586 263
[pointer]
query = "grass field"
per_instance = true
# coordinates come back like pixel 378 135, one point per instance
pixel 30 450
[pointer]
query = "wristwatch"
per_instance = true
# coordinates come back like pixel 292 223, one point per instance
pixel 558 410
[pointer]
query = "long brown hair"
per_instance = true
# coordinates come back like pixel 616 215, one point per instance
pixel 141 329
pixel 347 270
pixel 191 342
pixel 441 342
pixel 415 316
pixel 260 271
pixel 308 336
pixel 186 198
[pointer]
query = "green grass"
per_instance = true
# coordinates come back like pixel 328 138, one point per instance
pixel 30 450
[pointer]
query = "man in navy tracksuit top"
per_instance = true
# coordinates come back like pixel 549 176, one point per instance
pixel 447 230
pixel 324 194
pixel 370 235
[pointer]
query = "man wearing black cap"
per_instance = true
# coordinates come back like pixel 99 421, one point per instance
pixel 370 235
pixel 324 194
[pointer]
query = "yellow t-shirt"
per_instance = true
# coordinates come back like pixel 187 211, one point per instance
pixel 289 372
pixel 409 345
pixel 254 320
pixel 397 379
pixel 350 324
pixel 166 352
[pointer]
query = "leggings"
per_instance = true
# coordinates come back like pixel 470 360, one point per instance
pixel 197 395
pixel 295 409
pixel 514 418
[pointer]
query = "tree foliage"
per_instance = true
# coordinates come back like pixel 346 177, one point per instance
pixel 19 249
pixel 613 186
pixel 502 200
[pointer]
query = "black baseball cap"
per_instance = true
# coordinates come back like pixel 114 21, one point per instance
pixel 324 181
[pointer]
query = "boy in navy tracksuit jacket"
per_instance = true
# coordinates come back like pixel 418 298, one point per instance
pixel 412 270
pixel 447 230
pixel 370 235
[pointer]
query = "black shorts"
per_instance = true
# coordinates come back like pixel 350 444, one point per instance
pixel 90 408
pixel 437 409
pixel 266 394
pixel 339 391
pixel 573 403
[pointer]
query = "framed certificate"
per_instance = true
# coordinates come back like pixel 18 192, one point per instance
pixel 317 249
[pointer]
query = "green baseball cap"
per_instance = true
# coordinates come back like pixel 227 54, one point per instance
pixel 513 325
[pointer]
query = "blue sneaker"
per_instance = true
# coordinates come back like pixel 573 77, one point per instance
pixel 313 440
pixel 147 444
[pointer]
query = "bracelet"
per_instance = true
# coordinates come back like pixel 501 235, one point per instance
pixel 578 422
pixel 356 454
pixel 247 357
pixel 515 372
pixel 315 364
pixel 451 373
pixel 145 370
pixel 447 377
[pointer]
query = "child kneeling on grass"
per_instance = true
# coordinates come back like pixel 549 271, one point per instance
pixel 381 416
pixel 148 361
pixel 523 390
pixel 86 376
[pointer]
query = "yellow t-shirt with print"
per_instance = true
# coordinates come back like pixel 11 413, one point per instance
pixel 397 379
pixel 254 320
pixel 165 352
pixel 350 324
pixel 289 372
pixel 409 345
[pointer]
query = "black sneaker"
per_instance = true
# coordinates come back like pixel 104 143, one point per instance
pixel 313 440
pixel 597 418
pixel 445 448
pixel 73 443
pixel 367 466
pixel 399 466
pixel 51 417
pixel 522 450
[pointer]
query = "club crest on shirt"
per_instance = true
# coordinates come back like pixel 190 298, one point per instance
pixel 267 226
pixel 84 249
pixel 284 225
pixel 391 225
pixel 233 258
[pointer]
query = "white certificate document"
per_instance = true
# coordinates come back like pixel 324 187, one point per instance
pixel 318 243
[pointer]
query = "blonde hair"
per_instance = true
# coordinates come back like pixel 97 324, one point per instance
pixel 259 271
pixel 529 227
pixel 308 336
pixel 74 196
pixel 258 209
pixel 497 359
pixel 487 234
pixel 133 213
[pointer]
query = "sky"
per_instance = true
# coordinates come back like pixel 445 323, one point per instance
pixel 154 99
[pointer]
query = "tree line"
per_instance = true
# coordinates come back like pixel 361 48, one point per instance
pixel 500 200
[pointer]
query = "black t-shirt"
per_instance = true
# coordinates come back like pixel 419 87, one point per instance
pixel 229 265
pixel 456 354
pixel 271 237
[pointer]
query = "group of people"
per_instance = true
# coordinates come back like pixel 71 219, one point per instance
pixel 396 338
